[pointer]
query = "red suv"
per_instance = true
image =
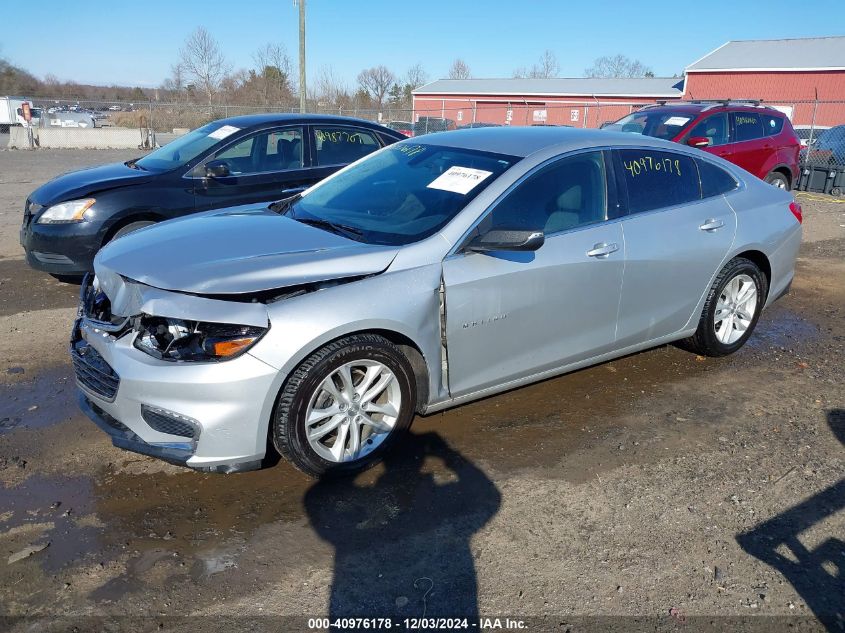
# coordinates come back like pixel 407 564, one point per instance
pixel 757 138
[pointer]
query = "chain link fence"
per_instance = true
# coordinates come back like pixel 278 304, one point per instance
pixel 820 125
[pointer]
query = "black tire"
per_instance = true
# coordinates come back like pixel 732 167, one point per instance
pixel 129 228
pixel 288 424
pixel 777 179
pixel 68 279
pixel 704 340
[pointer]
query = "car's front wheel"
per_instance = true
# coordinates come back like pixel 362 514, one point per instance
pixel 731 310
pixel 131 228
pixel 345 406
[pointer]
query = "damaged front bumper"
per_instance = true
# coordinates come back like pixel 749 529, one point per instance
pixel 209 416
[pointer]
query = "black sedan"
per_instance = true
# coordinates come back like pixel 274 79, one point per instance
pixel 240 160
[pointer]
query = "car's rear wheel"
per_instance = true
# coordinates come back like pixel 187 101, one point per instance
pixel 777 179
pixel 345 406
pixel 731 310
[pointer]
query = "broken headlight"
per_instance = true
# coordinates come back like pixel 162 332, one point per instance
pixel 176 339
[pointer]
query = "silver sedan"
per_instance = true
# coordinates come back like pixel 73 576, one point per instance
pixel 431 273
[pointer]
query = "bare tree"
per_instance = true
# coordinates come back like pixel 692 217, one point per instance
pixel 330 89
pixel 416 76
pixel 175 83
pixel 376 81
pixel 203 62
pixel 459 70
pixel 546 67
pixel 617 66
pixel 273 72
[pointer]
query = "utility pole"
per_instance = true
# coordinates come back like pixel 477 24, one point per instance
pixel 302 91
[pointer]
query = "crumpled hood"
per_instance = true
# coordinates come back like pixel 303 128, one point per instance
pixel 237 252
pixel 77 184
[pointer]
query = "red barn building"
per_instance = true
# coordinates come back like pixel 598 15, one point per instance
pixel 792 73
pixel 585 102
pixel 803 77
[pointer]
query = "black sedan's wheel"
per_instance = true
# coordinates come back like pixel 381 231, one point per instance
pixel 130 228
pixel 343 408
pixel 731 310
pixel 777 179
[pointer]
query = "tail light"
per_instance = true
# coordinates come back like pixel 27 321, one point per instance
pixel 796 211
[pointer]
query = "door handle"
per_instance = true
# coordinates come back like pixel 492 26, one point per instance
pixel 603 250
pixel 292 191
pixel 711 224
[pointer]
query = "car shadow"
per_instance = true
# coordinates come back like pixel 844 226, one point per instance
pixel 403 542
pixel 818 575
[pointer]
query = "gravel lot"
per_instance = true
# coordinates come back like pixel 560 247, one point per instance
pixel 682 492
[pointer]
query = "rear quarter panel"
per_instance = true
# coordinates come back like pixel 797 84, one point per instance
pixel 765 224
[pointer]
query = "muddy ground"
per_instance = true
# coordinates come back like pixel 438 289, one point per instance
pixel 688 492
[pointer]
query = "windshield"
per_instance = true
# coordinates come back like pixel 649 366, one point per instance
pixel 665 124
pixel 402 194
pixel 185 148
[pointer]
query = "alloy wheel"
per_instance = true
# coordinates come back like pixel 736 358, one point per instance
pixel 352 411
pixel 735 309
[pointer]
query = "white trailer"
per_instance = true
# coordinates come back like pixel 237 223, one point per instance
pixel 11 112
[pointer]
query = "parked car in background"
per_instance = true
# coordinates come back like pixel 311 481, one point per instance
pixel 828 148
pixel 757 138
pixel 406 128
pixel 240 160
pixel 477 124
pixel 804 132
pixel 441 270
pixel 428 124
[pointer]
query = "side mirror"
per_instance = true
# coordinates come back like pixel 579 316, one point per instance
pixel 216 169
pixel 698 141
pixel 507 240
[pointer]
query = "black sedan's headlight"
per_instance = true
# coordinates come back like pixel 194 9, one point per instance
pixel 176 339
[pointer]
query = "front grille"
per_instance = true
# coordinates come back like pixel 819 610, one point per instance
pixel 160 421
pixel 92 371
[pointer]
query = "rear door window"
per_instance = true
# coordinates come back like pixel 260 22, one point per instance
pixel 748 126
pixel 772 124
pixel 343 145
pixel 714 180
pixel 657 179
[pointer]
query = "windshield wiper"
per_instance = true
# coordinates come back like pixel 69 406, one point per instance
pixel 283 205
pixel 133 164
pixel 334 227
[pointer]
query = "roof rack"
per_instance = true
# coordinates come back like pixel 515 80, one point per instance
pixel 753 102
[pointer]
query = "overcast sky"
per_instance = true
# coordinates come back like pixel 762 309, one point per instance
pixel 135 43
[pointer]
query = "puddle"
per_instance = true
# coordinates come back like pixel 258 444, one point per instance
pixel 49 398
pixel 130 581
pixel 214 561
pixel 783 328
pixel 23 289
pixel 45 509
